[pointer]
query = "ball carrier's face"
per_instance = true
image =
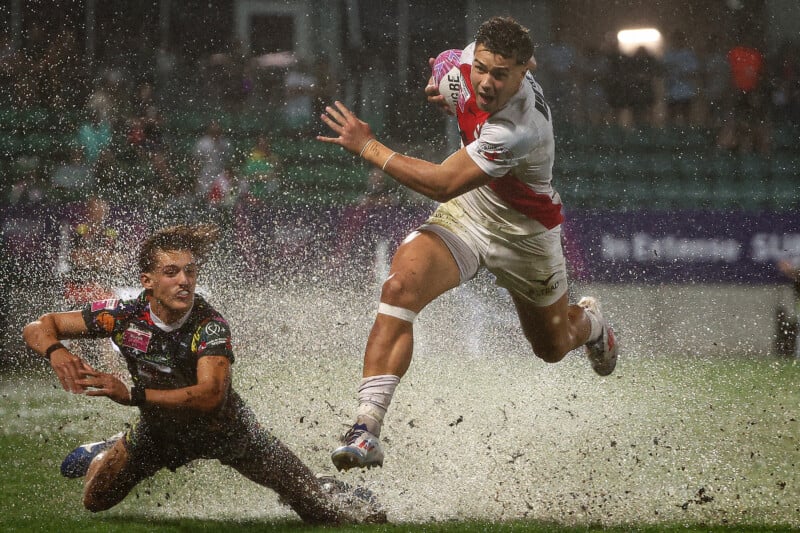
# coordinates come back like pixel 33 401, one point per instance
pixel 495 79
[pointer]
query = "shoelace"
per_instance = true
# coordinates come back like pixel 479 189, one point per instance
pixel 353 433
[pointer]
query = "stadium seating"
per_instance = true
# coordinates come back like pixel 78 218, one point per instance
pixel 596 167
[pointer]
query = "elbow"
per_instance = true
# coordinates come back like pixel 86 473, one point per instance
pixel 444 193
pixel 27 334
pixel 30 330
pixel 443 197
pixel 211 400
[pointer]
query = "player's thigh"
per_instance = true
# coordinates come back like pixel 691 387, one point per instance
pixel 422 269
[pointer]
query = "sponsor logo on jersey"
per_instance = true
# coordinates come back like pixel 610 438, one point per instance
pixel 215 342
pixel 494 151
pixel 136 339
pixel 104 304
pixel 213 329
pixel 105 321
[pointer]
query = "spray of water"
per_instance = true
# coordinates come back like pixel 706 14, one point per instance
pixel 479 427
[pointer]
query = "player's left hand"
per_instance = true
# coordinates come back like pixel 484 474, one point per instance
pixel 105 384
pixel 353 133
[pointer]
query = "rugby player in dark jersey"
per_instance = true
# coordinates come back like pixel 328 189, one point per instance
pixel 177 348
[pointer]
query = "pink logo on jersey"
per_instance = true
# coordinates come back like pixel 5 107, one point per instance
pixel 136 339
pixel 104 304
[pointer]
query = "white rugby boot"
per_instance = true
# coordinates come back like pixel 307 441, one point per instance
pixel 602 352
pixel 361 449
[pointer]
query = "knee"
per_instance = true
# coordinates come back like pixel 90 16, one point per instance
pixel 96 503
pixel 395 291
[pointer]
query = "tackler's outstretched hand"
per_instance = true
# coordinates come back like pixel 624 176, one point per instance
pixel 104 384
pixel 353 133
pixel 70 369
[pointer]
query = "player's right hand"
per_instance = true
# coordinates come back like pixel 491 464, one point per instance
pixel 70 369
pixel 352 132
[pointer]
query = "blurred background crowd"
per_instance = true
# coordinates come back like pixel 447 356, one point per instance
pixel 117 116
pixel 137 112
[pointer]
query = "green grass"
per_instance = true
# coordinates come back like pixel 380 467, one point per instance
pixel 727 424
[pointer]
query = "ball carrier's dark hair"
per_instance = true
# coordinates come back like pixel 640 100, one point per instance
pixel 506 37
pixel 197 239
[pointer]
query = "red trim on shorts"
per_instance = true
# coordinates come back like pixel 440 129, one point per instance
pixel 536 206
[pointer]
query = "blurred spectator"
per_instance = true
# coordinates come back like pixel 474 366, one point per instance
pixel 324 90
pixel 145 125
pixel 108 99
pixel 786 84
pixel 641 71
pixel 681 72
pixel 299 101
pixel 716 82
pixel 558 72
pixel 10 61
pixel 258 195
pixel 90 266
pixel 630 84
pixel 94 136
pixel 360 231
pixel 72 176
pixel 224 192
pixel 92 255
pixel 594 70
pixel 63 77
pixel 746 128
pixel 211 157
pixel 175 193
pixel 788 322
pixel 27 86
pixel 167 73
pixel 29 190
pixel 260 171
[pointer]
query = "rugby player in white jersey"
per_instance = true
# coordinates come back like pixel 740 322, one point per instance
pixel 498 211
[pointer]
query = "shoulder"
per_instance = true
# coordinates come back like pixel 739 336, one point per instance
pixel 208 320
pixel 513 126
pixel 211 332
pixel 468 54
pixel 105 316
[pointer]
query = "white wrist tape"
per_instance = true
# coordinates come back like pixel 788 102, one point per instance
pixel 397 312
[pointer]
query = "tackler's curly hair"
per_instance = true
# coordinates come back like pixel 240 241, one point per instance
pixel 507 37
pixel 197 239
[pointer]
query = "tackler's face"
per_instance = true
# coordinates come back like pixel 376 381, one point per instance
pixel 495 79
pixel 171 284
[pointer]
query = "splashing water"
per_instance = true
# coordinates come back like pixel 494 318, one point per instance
pixel 480 428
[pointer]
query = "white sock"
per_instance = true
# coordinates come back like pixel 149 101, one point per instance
pixel 374 396
pixel 596 328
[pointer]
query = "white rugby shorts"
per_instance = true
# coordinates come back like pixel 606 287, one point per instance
pixel 530 266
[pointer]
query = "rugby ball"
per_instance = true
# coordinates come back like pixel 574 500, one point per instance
pixel 447 77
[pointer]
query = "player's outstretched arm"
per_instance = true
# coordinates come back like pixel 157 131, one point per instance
pixel 441 182
pixel 43 336
pixel 213 382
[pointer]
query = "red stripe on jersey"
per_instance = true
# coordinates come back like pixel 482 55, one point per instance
pixel 537 206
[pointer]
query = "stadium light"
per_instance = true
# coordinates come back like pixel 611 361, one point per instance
pixel 631 39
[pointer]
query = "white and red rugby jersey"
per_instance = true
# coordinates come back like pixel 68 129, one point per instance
pixel 515 145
